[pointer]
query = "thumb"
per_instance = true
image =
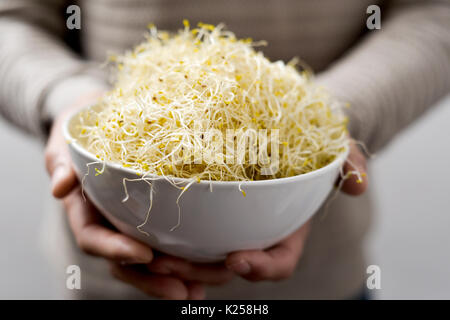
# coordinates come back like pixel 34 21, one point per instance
pixel 355 171
pixel 59 163
pixel 57 157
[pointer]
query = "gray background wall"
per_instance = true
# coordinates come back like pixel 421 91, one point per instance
pixel 409 241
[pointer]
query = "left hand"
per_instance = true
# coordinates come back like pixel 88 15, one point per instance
pixel 275 263
pixel 279 261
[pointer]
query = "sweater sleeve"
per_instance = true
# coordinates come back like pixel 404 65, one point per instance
pixel 395 73
pixel 34 62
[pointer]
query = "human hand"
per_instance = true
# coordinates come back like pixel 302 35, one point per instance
pixel 178 279
pixel 355 184
pixel 128 257
pixel 279 261
pixel 84 220
pixel 57 157
pixel 181 278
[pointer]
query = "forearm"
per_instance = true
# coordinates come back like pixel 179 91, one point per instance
pixel 33 62
pixel 396 73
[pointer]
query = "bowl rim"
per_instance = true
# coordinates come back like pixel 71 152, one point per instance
pixel 73 142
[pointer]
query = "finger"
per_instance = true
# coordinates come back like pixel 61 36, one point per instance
pixel 95 239
pixel 275 263
pixel 355 184
pixel 57 157
pixel 58 163
pixel 196 291
pixel 164 287
pixel 206 273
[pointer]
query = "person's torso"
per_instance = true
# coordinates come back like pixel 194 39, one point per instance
pixel 318 31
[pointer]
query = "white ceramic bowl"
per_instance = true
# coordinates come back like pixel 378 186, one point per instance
pixel 213 224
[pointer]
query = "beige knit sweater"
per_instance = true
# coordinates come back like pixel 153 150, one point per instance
pixel 389 76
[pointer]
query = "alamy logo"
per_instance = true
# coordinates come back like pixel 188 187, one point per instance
pixel 74 20
pixel 374 20
pixel 374 278
pixel 73 280
pixel 249 146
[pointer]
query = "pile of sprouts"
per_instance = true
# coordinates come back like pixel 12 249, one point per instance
pixel 174 94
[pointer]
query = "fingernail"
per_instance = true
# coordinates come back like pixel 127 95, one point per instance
pixel 163 270
pixel 242 267
pixel 159 268
pixel 58 175
pixel 132 254
pixel 115 270
pixel 145 258
pixel 128 262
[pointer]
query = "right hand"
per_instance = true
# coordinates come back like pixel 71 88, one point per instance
pixel 127 257
pixel 165 277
